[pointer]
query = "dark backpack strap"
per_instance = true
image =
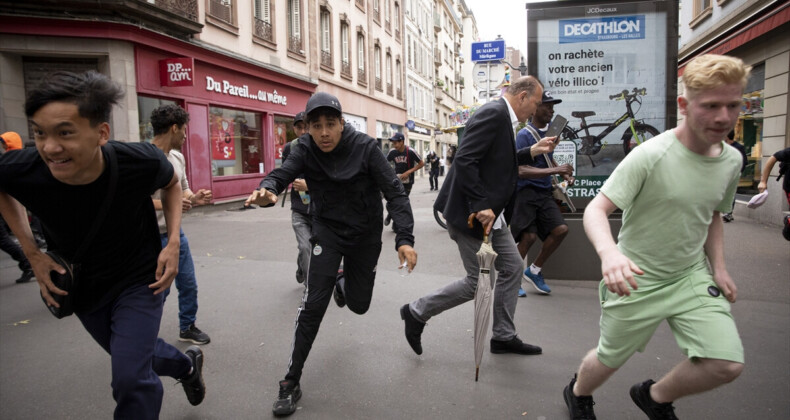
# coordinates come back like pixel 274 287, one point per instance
pixel 112 166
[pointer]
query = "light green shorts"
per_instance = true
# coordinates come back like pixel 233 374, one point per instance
pixel 701 322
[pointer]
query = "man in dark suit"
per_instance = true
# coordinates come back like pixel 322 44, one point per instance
pixel 482 183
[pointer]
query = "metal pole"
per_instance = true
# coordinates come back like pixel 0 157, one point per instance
pixel 488 81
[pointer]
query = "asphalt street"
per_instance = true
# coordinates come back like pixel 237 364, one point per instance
pixel 361 366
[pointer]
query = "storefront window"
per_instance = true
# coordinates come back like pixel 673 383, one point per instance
pixel 236 142
pixel 144 107
pixel 283 133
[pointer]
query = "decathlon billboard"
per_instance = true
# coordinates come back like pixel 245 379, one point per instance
pixel 588 53
pixel 602 29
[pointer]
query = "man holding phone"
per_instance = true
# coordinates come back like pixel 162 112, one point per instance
pixel 536 214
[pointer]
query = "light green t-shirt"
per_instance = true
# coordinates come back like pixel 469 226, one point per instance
pixel 668 194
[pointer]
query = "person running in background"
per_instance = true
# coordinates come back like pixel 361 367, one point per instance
pixel 433 178
pixel 783 157
pixel 300 207
pixel 727 217
pixel 406 161
pixel 536 214
pixel 169 124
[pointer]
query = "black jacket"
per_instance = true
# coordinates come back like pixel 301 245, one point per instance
pixel 485 169
pixel 296 198
pixel 345 186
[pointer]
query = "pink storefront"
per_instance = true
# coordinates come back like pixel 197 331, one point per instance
pixel 240 115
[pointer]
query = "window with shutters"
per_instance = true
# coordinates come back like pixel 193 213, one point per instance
pixel 361 76
pixel 222 14
pixel 295 44
pixel 702 10
pixel 345 54
pixel 377 66
pixel 263 25
pixel 326 40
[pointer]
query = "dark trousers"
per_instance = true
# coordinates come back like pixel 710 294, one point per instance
pixel 9 246
pixel 127 329
pixel 359 265
pixel 433 178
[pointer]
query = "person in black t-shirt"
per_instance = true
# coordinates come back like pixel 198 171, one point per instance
pixel 123 270
pixel 433 159
pixel 406 161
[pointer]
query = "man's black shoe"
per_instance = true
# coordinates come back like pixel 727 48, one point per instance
pixel 193 383
pixel 290 392
pixel 515 345
pixel 27 275
pixel 580 408
pixel 640 394
pixel 340 299
pixel 413 329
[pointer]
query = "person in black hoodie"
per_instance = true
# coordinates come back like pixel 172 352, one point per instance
pixel 346 172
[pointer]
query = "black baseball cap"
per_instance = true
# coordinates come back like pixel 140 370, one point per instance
pixel 397 137
pixel 299 117
pixel 320 100
pixel 548 99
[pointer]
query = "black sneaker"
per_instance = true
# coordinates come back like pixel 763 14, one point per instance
pixel 194 335
pixel 413 329
pixel 340 299
pixel 27 276
pixel 727 217
pixel 580 408
pixel 640 393
pixel 193 384
pixel 290 392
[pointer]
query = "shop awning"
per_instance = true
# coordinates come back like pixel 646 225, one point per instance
pixel 765 24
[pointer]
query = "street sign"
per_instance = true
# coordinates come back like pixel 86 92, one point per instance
pixel 488 50
pixel 493 72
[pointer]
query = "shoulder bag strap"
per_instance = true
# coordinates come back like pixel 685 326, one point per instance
pixel 112 165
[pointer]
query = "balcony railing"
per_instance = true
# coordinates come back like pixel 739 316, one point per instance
pixel 437 57
pixel 376 15
pixel 185 8
pixel 345 68
pixel 397 34
pixel 387 26
pixel 326 58
pixel 295 44
pixel 398 94
pixel 389 89
pixel 264 30
pixel 360 4
pixel 378 83
pixel 219 10
pixel 361 78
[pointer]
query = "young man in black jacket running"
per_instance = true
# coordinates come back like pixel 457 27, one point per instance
pixel 346 172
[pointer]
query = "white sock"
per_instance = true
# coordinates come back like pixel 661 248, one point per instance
pixel 534 269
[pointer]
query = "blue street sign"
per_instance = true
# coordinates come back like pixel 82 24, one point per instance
pixel 488 50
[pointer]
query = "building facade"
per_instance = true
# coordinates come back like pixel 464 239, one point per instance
pixel 757 31
pixel 418 16
pixel 242 69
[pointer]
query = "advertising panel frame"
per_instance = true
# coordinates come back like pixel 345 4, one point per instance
pixel 565 26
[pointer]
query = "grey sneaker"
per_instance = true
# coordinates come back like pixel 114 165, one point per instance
pixel 194 335
pixel 289 394
pixel 193 384
pixel 581 407
pixel 640 394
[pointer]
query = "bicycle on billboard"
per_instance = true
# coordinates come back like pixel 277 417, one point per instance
pixel 637 133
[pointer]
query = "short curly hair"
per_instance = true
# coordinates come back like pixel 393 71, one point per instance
pixel 710 71
pixel 163 117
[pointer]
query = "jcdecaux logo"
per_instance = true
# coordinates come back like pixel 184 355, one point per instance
pixel 615 28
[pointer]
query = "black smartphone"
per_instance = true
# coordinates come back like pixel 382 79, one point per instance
pixel 556 127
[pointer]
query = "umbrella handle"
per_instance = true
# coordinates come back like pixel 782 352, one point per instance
pixel 470 221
